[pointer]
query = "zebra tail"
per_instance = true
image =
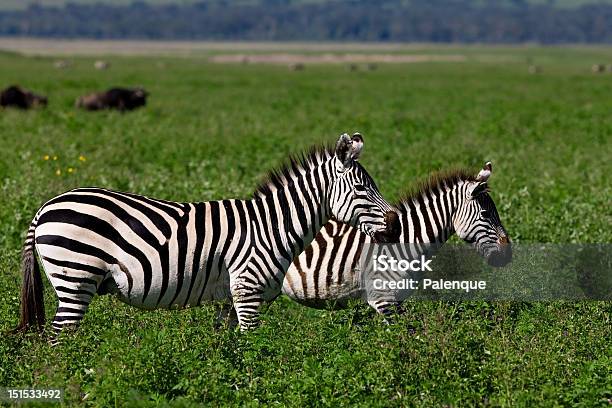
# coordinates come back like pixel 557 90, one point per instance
pixel 32 302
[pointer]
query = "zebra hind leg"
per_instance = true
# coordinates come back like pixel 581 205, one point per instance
pixel 74 294
pixel 67 317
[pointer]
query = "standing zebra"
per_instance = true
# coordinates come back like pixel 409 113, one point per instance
pixel 448 202
pixel 163 254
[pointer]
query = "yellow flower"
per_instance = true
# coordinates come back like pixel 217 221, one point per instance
pixel 58 172
pixel 46 157
pixel 70 169
pixel 82 158
pixel 54 157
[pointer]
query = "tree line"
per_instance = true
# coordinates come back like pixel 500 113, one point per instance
pixel 462 21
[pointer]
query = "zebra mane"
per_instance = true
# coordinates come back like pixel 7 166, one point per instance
pixel 435 181
pixel 283 175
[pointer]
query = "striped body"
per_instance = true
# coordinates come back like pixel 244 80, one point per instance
pixel 152 253
pixel 327 273
pixel 163 254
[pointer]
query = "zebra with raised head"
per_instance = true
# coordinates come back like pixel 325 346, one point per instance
pixel 162 254
pixel 325 274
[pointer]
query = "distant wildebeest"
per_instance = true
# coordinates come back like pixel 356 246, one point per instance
pixel 372 67
pixel 61 64
pixel 18 97
pixel 101 65
pixel 534 69
pixel 115 98
pixel 353 67
pixel 597 68
pixel 298 66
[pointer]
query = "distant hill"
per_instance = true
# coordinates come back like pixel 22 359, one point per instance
pixel 440 21
pixel 23 4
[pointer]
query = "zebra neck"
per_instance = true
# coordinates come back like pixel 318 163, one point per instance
pixel 301 211
pixel 428 217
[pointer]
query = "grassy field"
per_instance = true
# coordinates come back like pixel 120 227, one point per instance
pixel 211 131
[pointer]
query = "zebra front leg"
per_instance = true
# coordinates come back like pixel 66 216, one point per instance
pixel 387 308
pixel 247 309
pixel 248 296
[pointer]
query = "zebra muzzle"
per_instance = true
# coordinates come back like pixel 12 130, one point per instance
pixel 392 230
pixel 503 255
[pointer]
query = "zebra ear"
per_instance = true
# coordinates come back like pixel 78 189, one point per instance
pixel 485 173
pixel 356 146
pixel 349 148
pixel 479 189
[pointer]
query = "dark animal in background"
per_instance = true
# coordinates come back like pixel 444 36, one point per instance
pixel 21 98
pixel 115 98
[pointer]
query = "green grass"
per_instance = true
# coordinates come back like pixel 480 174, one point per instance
pixel 212 131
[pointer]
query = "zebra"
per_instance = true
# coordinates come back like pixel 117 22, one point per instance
pixel 449 202
pixel 162 254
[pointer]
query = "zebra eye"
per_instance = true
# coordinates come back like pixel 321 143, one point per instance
pixel 485 214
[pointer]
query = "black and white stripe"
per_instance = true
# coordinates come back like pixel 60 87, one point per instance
pixel 163 254
pixel 326 273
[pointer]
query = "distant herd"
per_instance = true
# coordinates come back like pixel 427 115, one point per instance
pixel 126 99
pixel 121 99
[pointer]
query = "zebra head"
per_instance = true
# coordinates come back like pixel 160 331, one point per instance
pixel 477 222
pixel 354 197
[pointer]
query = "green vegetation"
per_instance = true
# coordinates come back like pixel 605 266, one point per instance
pixel 440 21
pixel 211 131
